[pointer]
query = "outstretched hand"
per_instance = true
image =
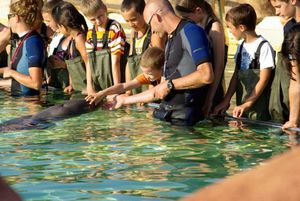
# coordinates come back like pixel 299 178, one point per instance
pixel 94 98
pixel 221 108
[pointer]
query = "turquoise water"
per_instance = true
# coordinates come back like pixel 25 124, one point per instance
pixel 124 155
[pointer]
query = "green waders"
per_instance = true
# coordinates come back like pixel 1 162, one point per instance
pixel 76 69
pixel 59 76
pixel 279 98
pixel 100 62
pixel 134 61
pixel 247 80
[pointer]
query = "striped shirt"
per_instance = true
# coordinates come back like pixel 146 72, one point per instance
pixel 116 39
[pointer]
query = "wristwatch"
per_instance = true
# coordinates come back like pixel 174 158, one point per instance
pixel 170 85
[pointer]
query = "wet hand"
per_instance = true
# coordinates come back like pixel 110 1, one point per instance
pixel 288 125
pixel 238 111
pixel 161 90
pixel 68 89
pixel 94 98
pixel 119 101
pixel 221 108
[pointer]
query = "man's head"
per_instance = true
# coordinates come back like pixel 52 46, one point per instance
pixel 154 13
pixel 240 19
pixel 284 8
pixel 132 12
pixel 152 61
pixel 95 11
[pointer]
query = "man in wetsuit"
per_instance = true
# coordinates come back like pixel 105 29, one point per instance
pixel 186 71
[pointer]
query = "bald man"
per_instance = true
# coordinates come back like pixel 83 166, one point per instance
pixel 187 68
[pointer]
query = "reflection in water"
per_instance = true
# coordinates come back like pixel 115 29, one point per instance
pixel 125 155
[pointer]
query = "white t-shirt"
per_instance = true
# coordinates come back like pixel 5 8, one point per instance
pixel 54 42
pixel 267 54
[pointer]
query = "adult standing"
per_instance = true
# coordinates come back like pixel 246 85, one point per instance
pixel 187 67
pixel 28 59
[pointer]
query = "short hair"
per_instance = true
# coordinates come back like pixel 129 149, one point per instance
pixel 91 7
pixel 29 10
pixel 153 58
pixel 138 5
pixel 243 14
pixel 49 5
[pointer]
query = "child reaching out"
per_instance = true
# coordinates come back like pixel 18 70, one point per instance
pixel 254 64
pixel 151 63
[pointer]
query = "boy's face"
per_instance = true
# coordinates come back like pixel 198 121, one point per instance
pixel 152 74
pixel 283 9
pixel 49 21
pixel 99 19
pixel 134 19
pixel 236 31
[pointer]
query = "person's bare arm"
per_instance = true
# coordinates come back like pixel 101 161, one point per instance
pixel 115 89
pixel 201 77
pixel 80 46
pixel 116 67
pixel 33 80
pixel 217 37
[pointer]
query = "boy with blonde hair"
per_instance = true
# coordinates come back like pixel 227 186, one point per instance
pixel 106 45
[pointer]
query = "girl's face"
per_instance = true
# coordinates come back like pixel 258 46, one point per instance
pixel 283 9
pixel 49 21
pixel 99 19
pixel 134 19
pixel 152 74
pixel 236 31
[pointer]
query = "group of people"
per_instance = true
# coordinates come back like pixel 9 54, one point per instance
pixel 178 52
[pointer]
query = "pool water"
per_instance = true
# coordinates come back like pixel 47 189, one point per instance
pixel 124 155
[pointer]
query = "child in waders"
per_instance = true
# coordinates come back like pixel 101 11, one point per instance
pixel 141 38
pixel 56 70
pixel 151 64
pixel 254 67
pixel 106 44
pixel 72 24
pixel 279 97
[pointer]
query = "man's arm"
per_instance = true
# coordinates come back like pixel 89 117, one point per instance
pixel 202 76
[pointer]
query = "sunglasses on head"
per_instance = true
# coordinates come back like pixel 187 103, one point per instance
pixel 10 15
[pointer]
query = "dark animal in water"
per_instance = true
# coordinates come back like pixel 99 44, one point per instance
pixel 47 117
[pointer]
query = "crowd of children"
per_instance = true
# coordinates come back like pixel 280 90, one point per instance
pixel 177 50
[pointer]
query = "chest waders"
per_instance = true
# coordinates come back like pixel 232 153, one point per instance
pixel 59 76
pixel 100 62
pixel 76 68
pixel 247 80
pixel 134 60
pixel 279 98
